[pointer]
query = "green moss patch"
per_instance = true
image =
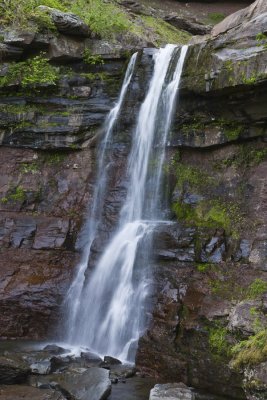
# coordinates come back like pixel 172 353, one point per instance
pixel 164 32
pixel 31 73
pixel 250 352
pixel 210 214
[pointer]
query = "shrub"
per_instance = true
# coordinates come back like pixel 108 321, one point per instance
pixel 33 72
pixel 92 59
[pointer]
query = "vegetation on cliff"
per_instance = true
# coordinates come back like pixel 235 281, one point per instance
pixel 106 19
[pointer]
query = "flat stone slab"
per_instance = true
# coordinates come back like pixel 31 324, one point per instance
pixel 171 391
pixel 19 392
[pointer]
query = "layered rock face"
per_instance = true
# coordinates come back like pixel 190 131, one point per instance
pixel 41 198
pixel 210 261
pixel 211 266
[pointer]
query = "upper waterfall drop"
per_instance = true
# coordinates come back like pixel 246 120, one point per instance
pixel 106 313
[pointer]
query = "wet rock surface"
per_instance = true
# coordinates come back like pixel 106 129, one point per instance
pixel 39 223
pixel 171 391
pixel 26 392
pixel 205 262
pixel 13 370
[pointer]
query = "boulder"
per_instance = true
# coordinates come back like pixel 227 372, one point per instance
pixel 67 23
pixel 239 18
pixel 245 317
pixel 255 382
pixel 90 357
pixel 111 360
pixel 13 370
pixel 9 53
pixel 82 384
pixel 41 368
pixel 187 24
pixel 171 391
pixel 65 49
pixel 19 38
pixel 55 349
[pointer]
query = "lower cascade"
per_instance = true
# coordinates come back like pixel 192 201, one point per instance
pixel 106 313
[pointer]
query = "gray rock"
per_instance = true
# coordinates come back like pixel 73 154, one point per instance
pixel 244 315
pixel 258 254
pixel 238 19
pixel 93 384
pixel 19 38
pixel 51 234
pixel 54 349
pixel 171 391
pixel 8 52
pixel 90 357
pixel 41 368
pixel 66 49
pixel 106 49
pixel 111 360
pixel 189 25
pixel 67 23
pixel 122 371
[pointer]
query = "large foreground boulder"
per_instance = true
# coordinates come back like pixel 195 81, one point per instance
pixel 13 370
pixel 79 383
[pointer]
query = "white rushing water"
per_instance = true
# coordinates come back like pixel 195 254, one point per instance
pixel 73 298
pixel 106 313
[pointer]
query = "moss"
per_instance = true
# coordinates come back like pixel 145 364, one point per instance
pixel 30 73
pixel 54 158
pixel 250 352
pixel 189 175
pixel 18 108
pixel 218 341
pixel 17 195
pixel 245 157
pixel 163 32
pixel 32 168
pixel 249 80
pixel 104 18
pixel 231 129
pixel 257 288
pixel 211 214
pixel 233 132
pixel 215 17
pixel 204 267
pixel 21 12
pixel 262 40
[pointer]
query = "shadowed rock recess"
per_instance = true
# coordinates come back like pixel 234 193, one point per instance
pixel 208 308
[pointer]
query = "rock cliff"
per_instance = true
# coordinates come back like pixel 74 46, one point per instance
pixel 209 306
pixel 208 325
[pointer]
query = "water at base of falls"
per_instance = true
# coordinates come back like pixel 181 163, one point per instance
pixel 107 313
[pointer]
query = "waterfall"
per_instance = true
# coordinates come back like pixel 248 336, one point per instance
pixel 106 313
pixel 73 298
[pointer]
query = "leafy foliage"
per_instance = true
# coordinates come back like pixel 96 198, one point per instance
pixel 19 12
pixel 92 59
pixel 33 72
